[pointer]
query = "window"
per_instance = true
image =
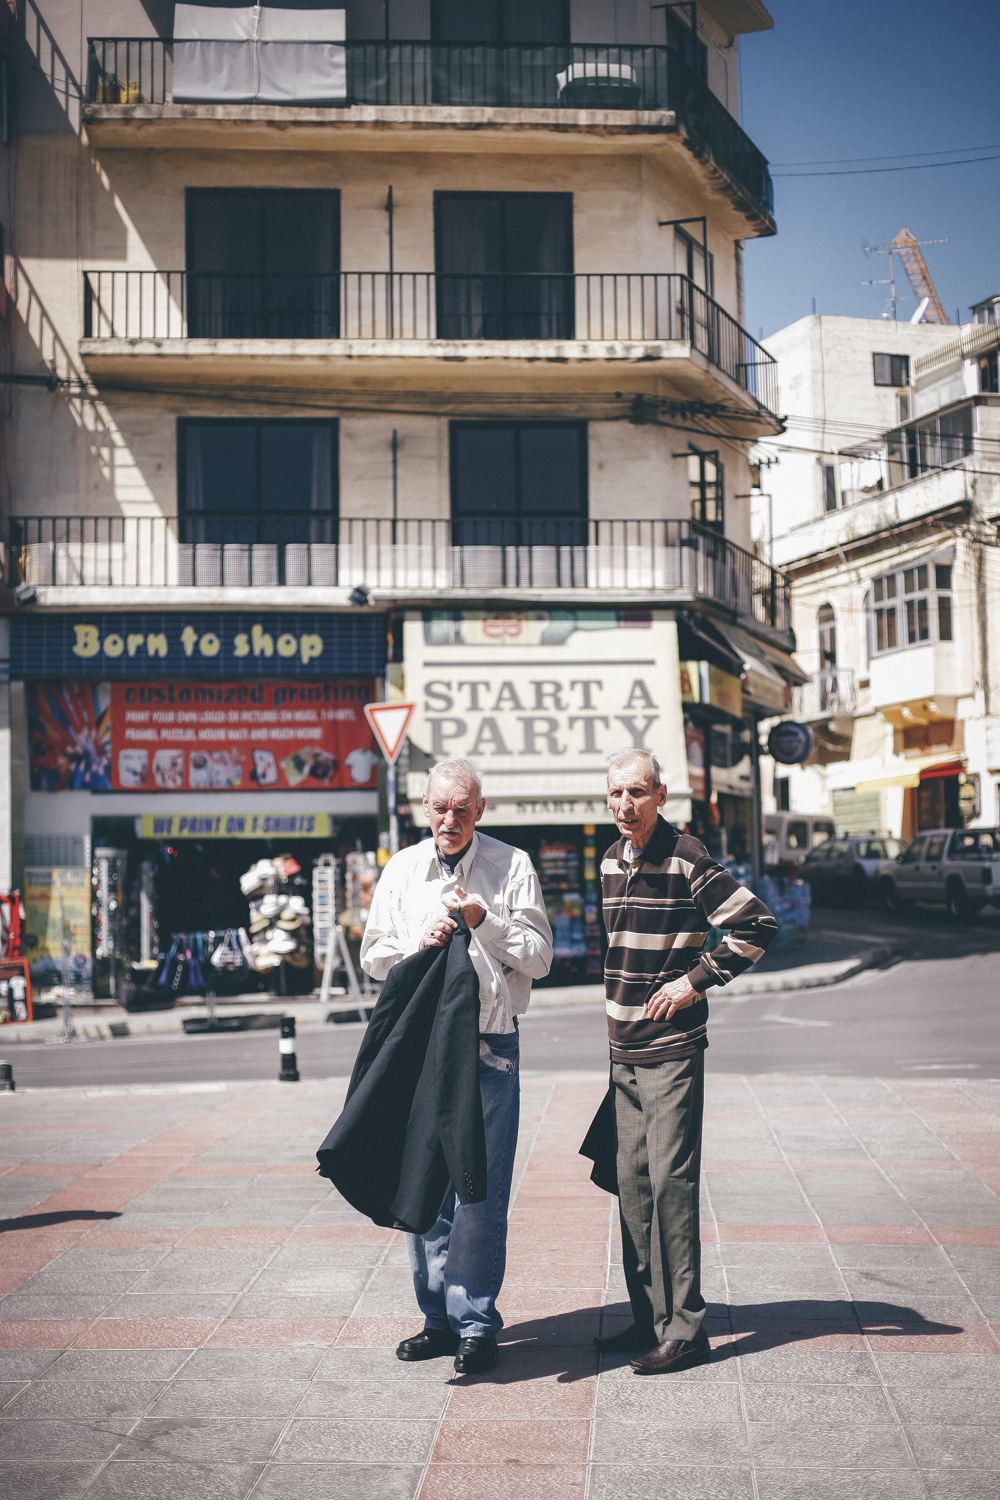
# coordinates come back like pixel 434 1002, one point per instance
pixel 257 482
pixel 891 369
pixel 915 853
pixel 263 263
pixel 519 484
pixel 782 786
pixel 915 603
pixel 706 485
pixel 528 22
pixel 822 829
pixel 504 265
pixel 883 592
pixel 681 36
pixel 797 836
pixel 904 605
pixel 935 847
pixel 989 374
pixel 827 637
pixel 934 444
pixel 829 487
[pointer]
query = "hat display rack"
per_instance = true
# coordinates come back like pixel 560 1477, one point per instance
pixel 280 923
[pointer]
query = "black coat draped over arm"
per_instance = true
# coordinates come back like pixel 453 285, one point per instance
pixel 412 1123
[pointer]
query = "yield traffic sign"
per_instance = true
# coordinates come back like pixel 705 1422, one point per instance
pixel 389 723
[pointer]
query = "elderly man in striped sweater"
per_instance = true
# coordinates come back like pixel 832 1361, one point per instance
pixel 662 892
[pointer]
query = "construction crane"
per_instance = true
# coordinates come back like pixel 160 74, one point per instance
pixel 929 307
pixel 908 250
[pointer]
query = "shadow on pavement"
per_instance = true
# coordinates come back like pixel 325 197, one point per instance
pixel 65 1216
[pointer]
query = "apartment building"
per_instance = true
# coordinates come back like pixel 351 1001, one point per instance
pixel 886 522
pixel 390 348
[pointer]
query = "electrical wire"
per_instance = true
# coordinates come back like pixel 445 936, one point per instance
pixel 867 171
pixel 835 161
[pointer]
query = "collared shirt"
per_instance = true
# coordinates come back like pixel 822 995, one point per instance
pixel 660 904
pixel 514 931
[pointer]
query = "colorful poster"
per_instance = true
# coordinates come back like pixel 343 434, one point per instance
pixel 57 944
pixel 69 733
pixel 241 736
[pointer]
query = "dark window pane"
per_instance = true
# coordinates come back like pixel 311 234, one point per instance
pixel 942 575
pixel 551 481
pixel 299 232
pixel 535 22
pixel 908 581
pixel 877 591
pixel 220 467
pixel 466 20
pixel 944 617
pixel 224 231
pixel 503 265
pixel 922 576
pixel 538 232
pixel 890 629
pixel 830 486
pixel 469 234
pixel 883 368
pixel 295 466
pixel 483 478
pixel 890 586
pixel 923 630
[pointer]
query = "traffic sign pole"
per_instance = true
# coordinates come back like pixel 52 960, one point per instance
pixel 389 722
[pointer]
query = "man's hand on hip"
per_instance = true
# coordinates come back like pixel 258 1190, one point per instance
pixel 675 996
pixel 471 910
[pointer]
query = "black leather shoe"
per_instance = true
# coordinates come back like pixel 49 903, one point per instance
pixel 476 1355
pixel 627 1341
pixel 430 1344
pixel 674 1354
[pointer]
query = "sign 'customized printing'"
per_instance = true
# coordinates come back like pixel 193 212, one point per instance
pixel 541 698
pixel 183 736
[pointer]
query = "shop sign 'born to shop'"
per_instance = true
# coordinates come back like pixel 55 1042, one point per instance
pixel 183 645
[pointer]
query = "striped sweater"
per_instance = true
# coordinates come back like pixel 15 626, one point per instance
pixel 657 911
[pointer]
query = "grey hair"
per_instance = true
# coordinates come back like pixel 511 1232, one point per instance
pixel 457 768
pixel 623 757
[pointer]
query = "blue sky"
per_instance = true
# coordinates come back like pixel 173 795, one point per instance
pixel 852 79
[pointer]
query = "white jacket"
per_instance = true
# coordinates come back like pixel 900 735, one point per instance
pixel 514 936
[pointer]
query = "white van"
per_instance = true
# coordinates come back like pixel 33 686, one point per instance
pixel 789 836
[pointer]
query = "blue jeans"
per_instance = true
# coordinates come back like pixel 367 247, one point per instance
pixel 458 1265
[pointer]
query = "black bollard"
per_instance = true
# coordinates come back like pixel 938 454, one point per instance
pixel 289 1066
pixel 7 1084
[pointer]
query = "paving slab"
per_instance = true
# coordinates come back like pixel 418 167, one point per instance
pixel 186 1309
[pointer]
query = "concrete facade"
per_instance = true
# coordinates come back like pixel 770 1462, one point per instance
pixel 880 709
pixel 96 183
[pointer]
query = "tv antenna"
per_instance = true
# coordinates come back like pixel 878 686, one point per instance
pixel 929 309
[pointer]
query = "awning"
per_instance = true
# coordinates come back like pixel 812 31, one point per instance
pixel 285 52
pixel 910 773
pixel 767 672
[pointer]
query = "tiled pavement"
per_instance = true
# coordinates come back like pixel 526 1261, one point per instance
pixel 191 1313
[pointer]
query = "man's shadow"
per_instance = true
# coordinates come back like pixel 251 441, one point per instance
pixel 562 1345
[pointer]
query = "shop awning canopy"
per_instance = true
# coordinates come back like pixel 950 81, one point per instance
pixel 910 773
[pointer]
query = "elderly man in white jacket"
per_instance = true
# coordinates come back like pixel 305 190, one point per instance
pixel 458 1266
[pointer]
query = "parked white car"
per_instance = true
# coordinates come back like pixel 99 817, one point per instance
pixel 789 836
pixel 955 868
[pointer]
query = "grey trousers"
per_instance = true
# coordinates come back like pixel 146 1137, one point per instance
pixel 658 1108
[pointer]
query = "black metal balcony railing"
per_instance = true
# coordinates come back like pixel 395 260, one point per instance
pixel 131 70
pixel 404 556
pixel 597 307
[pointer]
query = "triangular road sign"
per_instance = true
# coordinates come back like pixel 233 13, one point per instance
pixel 389 723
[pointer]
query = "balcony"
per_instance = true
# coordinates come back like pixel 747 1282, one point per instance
pixel 827 694
pixel 67 557
pixel 414 330
pixel 421 88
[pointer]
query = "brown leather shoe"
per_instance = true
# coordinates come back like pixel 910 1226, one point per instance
pixel 625 1342
pixel 675 1354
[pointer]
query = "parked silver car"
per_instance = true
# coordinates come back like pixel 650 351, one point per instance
pixel 955 868
pixel 847 868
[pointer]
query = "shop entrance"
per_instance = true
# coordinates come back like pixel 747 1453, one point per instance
pixel 567 858
pixel 177 889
